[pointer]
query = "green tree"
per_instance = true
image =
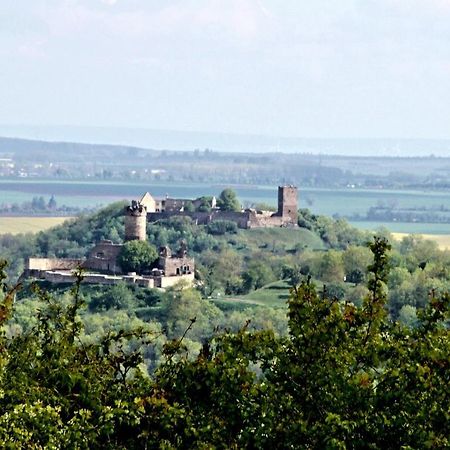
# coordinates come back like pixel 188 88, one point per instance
pixel 116 297
pixel 205 203
pixel 189 206
pixel 228 201
pixel 137 256
pixel 256 276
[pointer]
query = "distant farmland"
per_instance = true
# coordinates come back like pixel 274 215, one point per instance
pixel 16 225
pixel 443 241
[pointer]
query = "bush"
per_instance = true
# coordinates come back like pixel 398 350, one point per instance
pixel 220 227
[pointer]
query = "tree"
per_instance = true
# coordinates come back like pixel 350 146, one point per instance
pixel 189 206
pixel 204 204
pixel 116 297
pixel 137 256
pixel 52 203
pixel 228 201
pixel 256 276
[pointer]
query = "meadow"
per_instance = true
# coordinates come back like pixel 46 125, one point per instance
pixel 330 202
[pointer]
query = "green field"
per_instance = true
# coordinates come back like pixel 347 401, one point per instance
pixel 273 295
pixel 16 225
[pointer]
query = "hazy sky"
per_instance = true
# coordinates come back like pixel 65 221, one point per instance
pixel 313 68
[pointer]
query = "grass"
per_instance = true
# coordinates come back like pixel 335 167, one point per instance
pixel 16 225
pixel 275 239
pixel 443 240
pixel 273 295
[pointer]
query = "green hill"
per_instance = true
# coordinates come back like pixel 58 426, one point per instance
pixel 287 239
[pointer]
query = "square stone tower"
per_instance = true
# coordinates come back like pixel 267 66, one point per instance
pixel 288 204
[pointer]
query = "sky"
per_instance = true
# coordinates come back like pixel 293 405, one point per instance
pixel 293 68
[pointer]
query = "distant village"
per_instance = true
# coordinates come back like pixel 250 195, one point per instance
pixel 102 263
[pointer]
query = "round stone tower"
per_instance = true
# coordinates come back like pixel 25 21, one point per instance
pixel 135 222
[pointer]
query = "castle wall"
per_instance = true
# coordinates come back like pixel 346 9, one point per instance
pixel 201 218
pixel 204 218
pixel 59 277
pixel 37 264
pixel 240 218
pixel 103 258
pixel 173 266
pixel 265 221
pixel 165 282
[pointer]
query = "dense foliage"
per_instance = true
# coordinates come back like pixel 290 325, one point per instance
pixel 137 256
pixel 228 201
pixel 344 377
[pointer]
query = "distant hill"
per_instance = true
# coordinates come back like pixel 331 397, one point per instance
pixel 229 142
pixel 27 148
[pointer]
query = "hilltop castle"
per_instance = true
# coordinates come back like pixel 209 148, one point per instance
pixel 102 267
pixel 285 216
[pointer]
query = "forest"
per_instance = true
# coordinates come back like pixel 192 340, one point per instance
pixel 340 375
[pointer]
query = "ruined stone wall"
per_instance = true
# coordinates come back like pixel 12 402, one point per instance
pixel 203 218
pixel 37 264
pixel 200 218
pixel 96 278
pixel 242 219
pixel 265 221
pixel 103 258
pixel 165 282
pixel 176 266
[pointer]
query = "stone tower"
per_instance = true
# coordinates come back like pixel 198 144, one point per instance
pixel 287 204
pixel 135 222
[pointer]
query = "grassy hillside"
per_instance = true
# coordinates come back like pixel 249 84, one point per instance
pixel 275 239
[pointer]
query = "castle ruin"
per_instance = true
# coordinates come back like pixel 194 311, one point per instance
pixel 101 265
pixel 285 216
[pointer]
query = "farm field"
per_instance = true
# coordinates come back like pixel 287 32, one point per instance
pixel 443 240
pixel 16 225
pixel 406 227
pixel 330 202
